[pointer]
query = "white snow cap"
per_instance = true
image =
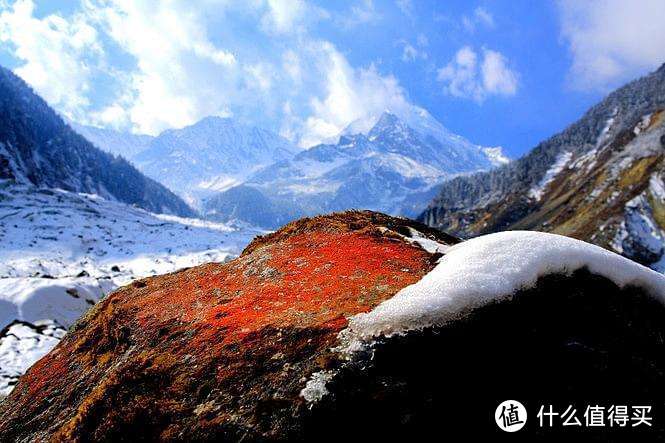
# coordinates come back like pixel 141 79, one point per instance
pixel 493 267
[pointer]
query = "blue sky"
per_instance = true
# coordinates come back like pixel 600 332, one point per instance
pixel 507 73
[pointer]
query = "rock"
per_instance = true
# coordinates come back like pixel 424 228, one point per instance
pixel 218 350
pixel 255 349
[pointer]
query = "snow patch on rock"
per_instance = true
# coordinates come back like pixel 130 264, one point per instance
pixel 429 245
pixel 490 268
pixel 315 389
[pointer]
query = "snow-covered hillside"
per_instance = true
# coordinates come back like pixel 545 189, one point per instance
pixel 392 167
pixel 61 252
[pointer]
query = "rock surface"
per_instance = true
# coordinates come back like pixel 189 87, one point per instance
pixel 220 350
pixel 253 350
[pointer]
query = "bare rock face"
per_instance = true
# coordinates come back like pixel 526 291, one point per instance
pixel 250 351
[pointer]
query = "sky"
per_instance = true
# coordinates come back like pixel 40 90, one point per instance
pixel 500 73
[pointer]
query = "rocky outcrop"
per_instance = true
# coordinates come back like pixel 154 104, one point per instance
pixel 315 333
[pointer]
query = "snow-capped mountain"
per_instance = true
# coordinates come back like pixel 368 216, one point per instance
pixel 600 180
pixel 425 125
pixel 391 167
pixel 210 156
pixel 62 252
pixel 38 148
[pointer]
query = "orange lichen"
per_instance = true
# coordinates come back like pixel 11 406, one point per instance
pixel 321 279
pixel 246 331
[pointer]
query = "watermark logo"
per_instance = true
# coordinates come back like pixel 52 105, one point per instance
pixel 510 416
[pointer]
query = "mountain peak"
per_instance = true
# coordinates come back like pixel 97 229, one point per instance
pixel 389 124
pixel 388 117
pixel 213 119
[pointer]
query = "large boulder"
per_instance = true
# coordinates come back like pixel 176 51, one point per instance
pixel 355 325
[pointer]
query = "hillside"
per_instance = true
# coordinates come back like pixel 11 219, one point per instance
pixel 600 180
pixel 38 148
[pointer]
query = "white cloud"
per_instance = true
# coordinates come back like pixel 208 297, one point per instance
pixel 58 55
pixel 162 68
pixel 406 6
pixel 177 66
pixel 289 16
pixel 497 77
pixel 283 15
pixel 411 52
pixel 362 12
pixel 349 94
pixel 480 16
pixel 612 41
pixel 464 76
pixel 113 115
pixel 262 76
pixel 483 16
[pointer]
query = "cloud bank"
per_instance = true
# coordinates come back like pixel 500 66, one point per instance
pixel 612 41
pixel 160 66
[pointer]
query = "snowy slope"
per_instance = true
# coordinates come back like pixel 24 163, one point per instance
pixel 391 167
pixel 561 161
pixel 61 252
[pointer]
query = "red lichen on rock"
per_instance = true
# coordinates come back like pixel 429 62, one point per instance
pixel 220 350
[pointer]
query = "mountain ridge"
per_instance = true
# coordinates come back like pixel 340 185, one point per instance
pixel 580 182
pixel 37 147
pixel 391 167
pixel 210 155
